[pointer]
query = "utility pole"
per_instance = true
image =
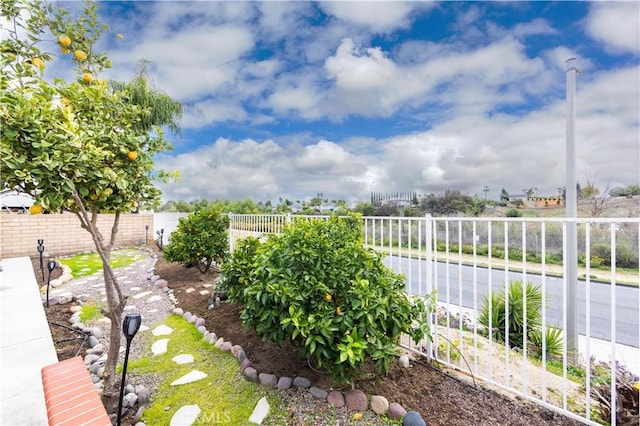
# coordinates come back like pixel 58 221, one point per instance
pixel 571 253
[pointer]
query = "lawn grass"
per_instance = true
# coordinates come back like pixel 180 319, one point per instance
pixel 224 396
pixel 85 264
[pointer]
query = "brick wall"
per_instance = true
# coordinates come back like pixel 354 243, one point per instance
pixel 62 234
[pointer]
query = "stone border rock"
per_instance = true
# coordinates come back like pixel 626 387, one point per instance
pixel 354 400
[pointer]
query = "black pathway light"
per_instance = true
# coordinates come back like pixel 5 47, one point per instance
pixel 41 251
pixel 51 265
pixel 130 327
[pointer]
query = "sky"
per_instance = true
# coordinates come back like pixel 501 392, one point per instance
pixel 290 99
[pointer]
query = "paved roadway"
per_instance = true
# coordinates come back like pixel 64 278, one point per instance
pixel 627 307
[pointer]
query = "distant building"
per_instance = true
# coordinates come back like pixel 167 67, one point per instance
pixel 14 201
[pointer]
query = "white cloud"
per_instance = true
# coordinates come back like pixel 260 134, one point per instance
pixel 617 24
pixel 378 17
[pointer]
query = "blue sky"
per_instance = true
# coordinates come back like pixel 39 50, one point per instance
pixel 344 98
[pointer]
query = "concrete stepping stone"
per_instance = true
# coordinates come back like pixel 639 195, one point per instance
pixel 141 295
pixel 192 376
pixel 260 412
pixel 190 290
pixel 183 359
pixel 203 292
pixel 154 298
pixel 135 288
pixel 185 416
pixel 207 285
pixel 162 330
pixel 159 347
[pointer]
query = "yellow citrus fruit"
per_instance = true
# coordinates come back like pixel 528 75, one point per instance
pixel 328 296
pixel 64 51
pixel 38 63
pixel 93 196
pixel 357 416
pixel 80 55
pixel 35 209
pixel 64 40
pixel 132 155
pixel 87 77
pixel 107 64
pixel 65 101
pixel 338 310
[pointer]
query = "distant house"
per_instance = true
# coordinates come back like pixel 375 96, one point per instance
pixel 14 201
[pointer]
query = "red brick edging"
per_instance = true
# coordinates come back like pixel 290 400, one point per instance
pixel 70 396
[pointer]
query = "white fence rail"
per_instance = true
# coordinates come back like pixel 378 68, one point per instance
pixel 467 261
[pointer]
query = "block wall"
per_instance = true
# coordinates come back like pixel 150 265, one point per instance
pixel 62 234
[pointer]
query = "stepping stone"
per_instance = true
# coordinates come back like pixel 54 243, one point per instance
pixel 185 416
pixel 154 298
pixel 162 330
pixel 159 347
pixel 141 295
pixel 260 412
pixel 190 377
pixel 135 288
pixel 203 292
pixel 152 310
pixel 143 328
pixel 183 359
pixel 207 285
pixel 190 290
pixel 129 307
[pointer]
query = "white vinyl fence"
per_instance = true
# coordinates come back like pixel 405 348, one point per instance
pixel 467 261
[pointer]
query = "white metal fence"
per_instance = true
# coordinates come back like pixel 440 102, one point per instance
pixel 467 261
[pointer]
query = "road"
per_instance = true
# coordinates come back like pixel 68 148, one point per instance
pixel 461 282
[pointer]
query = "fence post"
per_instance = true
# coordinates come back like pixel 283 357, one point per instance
pixel 231 223
pixel 429 278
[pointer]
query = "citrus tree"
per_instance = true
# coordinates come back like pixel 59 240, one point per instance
pixel 317 286
pixel 200 239
pixel 81 146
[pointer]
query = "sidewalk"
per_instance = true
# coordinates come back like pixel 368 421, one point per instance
pixel 25 345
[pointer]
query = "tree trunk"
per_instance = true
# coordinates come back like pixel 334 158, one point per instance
pixel 115 306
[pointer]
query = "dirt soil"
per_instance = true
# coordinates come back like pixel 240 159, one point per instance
pixel 438 397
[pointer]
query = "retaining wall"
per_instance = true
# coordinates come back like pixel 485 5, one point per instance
pixel 62 234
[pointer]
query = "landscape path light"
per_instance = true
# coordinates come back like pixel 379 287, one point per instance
pixel 130 327
pixel 41 250
pixel 51 265
pixel 146 234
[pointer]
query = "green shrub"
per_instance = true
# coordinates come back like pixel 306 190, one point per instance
pixel 237 272
pixel 553 341
pixel 317 286
pixel 513 213
pixel 517 296
pixel 199 239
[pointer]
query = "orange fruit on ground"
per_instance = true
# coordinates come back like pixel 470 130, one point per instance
pixel 35 209
pixel 38 63
pixel 132 155
pixel 64 40
pixel 87 77
pixel 80 55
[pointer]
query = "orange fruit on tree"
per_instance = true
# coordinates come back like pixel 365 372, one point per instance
pixel 38 63
pixel 35 209
pixel 132 155
pixel 80 55
pixel 64 40
pixel 65 101
pixel 64 51
pixel 87 77
pixel 328 296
